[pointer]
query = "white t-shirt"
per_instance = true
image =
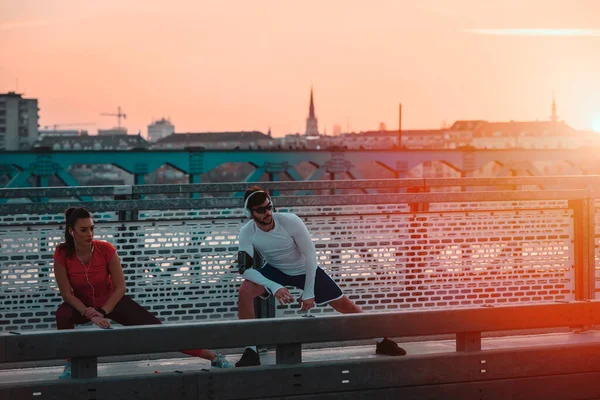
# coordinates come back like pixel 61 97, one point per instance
pixel 287 247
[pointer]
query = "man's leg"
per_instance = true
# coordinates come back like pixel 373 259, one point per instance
pixel 384 346
pixel 247 292
pixel 344 305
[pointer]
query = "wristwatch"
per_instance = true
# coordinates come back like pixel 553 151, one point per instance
pixel 100 310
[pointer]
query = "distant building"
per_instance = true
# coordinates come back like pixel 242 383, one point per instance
pixel 18 121
pixel 411 139
pixel 217 141
pixel 530 135
pixel 62 133
pixel 112 131
pixel 312 126
pixel 551 134
pixel 160 129
pixel 92 143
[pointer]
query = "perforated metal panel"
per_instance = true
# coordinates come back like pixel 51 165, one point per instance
pixel 180 270
pixel 27 219
pixel 304 211
pixel 499 205
pixel 404 262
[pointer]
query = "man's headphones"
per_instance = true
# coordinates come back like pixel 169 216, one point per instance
pixel 247 211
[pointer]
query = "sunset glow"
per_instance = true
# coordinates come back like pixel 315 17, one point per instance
pixel 239 65
pixel 536 32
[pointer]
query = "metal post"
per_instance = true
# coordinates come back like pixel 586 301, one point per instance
pixel 583 247
pixel 468 341
pixel 399 126
pixel 418 207
pixel 264 308
pixel 194 178
pixel 288 353
pixel 84 367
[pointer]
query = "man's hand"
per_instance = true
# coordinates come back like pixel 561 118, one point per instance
pixel 306 305
pixel 101 322
pixel 284 296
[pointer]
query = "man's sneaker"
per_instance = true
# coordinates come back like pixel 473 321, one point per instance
pixel 389 348
pixel 66 374
pixel 220 362
pixel 249 359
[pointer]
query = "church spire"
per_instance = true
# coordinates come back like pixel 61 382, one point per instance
pixel 311 111
pixel 312 128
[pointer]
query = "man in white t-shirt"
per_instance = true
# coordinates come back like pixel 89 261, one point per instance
pixel 290 259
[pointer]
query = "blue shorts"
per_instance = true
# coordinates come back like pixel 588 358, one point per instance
pixel 326 289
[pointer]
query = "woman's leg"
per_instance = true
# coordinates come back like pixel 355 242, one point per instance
pixel 129 313
pixel 67 317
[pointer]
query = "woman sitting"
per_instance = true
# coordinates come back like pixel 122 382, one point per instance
pixel 92 285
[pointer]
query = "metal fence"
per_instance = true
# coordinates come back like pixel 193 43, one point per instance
pixel 387 251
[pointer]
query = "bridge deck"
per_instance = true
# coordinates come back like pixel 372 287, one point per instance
pixel 314 355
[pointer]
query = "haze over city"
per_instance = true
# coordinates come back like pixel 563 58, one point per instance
pixel 233 66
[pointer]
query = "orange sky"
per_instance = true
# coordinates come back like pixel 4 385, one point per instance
pixel 245 65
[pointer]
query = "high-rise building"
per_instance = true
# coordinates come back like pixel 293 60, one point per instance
pixel 312 127
pixel 160 129
pixel 18 122
pixel 337 130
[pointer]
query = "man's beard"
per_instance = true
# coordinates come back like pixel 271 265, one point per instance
pixel 263 223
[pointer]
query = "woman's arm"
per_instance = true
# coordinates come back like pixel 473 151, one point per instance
pixel 64 285
pixel 118 279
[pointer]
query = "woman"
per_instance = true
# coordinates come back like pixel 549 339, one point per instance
pixel 92 285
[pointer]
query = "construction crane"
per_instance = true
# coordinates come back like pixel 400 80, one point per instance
pixel 55 126
pixel 119 115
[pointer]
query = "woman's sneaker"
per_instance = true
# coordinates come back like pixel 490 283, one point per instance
pixel 66 374
pixel 220 362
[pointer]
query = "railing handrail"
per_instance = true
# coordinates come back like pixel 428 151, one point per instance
pixel 115 190
pixel 299 201
pixel 33 346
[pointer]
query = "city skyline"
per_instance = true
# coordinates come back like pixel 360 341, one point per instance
pixel 214 67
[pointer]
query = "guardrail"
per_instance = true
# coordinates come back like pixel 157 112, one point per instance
pixel 468 373
pixel 289 334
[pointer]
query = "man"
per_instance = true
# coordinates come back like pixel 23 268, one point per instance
pixel 283 241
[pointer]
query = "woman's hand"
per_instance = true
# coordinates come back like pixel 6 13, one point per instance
pixel 91 312
pixel 101 322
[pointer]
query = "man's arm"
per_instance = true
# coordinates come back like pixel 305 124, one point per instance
pixel 249 273
pixel 254 276
pixel 306 247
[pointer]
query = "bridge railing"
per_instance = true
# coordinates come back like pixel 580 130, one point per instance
pixel 237 188
pixel 83 347
pixel 525 247
pixel 549 371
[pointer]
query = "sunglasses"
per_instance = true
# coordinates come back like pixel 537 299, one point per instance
pixel 262 210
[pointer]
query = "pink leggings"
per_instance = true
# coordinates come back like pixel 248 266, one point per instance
pixel 127 312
